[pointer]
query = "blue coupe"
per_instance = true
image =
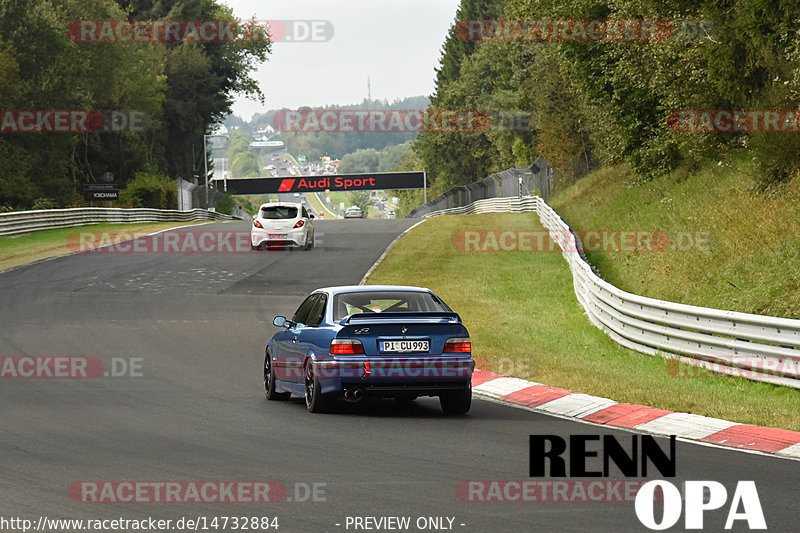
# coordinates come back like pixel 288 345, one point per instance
pixel 386 341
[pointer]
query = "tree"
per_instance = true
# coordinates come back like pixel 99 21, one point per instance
pixel 245 165
pixel 607 102
pixel 360 162
pixel 180 88
pixel 362 200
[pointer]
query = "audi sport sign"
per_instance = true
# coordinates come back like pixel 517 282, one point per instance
pixel 338 182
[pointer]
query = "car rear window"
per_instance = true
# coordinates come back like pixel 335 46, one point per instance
pixel 278 212
pixel 347 303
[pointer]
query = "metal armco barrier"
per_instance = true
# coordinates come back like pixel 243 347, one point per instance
pixel 536 179
pixel 757 347
pixel 20 222
pixel 511 204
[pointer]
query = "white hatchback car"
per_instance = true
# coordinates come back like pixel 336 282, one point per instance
pixel 282 224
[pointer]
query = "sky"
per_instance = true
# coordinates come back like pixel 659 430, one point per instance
pixel 396 43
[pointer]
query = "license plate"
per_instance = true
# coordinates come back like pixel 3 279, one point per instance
pixel 405 346
pixel 277 236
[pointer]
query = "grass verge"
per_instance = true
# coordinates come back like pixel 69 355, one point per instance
pixel 38 245
pixel 752 266
pixel 316 203
pixel 525 321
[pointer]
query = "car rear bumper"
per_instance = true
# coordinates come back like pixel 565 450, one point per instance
pixel 396 376
pixel 279 243
pixel 393 390
pixel 294 237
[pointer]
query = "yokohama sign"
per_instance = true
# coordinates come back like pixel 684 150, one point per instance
pixel 339 182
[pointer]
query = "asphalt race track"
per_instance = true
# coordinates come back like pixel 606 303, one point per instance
pixel 195 326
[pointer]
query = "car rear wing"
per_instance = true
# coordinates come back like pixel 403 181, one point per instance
pixel 397 317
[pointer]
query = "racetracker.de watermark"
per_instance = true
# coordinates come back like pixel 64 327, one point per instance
pixel 399 120
pixel 409 369
pixel 583 30
pixel 171 242
pixel 746 367
pixel 591 241
pixel 548 491
pixel 381 121
pixel 71 121
pixel 177 492
pixel 69 367
pixel 734 121
pixel 200 31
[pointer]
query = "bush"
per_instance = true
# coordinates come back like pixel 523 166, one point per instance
pixel 150 190
pixel 775 157
pixel 225 204
pixel 246 204
pixel 44 203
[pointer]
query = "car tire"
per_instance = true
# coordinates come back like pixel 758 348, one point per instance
pixel 269 380
pixel 309 243
pixel 456 402
pixel 316 402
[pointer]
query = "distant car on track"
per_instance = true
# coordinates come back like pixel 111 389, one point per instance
pixel 390 341
pixel 282 224
pixel 353 212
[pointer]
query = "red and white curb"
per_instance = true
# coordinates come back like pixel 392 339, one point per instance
pixel 593 409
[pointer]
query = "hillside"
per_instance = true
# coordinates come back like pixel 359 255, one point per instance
pixel 335 144
pixel 753 264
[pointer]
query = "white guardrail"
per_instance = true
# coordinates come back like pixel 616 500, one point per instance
pixel 757 347
pixel 20 222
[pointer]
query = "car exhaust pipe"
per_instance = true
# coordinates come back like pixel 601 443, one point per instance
pixel 353 395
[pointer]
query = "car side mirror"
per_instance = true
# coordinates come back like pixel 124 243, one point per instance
pixel 311 216
pixel 279 321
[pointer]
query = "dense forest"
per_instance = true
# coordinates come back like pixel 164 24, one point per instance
pixel 334 144
pixel 173 89
pixel 580 103
pixel 595 103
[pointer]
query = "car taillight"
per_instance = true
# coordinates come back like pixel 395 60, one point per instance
pixel 458 345
pixel 346 347
pixel 299 223
pixel 257 224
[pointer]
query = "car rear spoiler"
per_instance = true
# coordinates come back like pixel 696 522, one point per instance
pixel 416 316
